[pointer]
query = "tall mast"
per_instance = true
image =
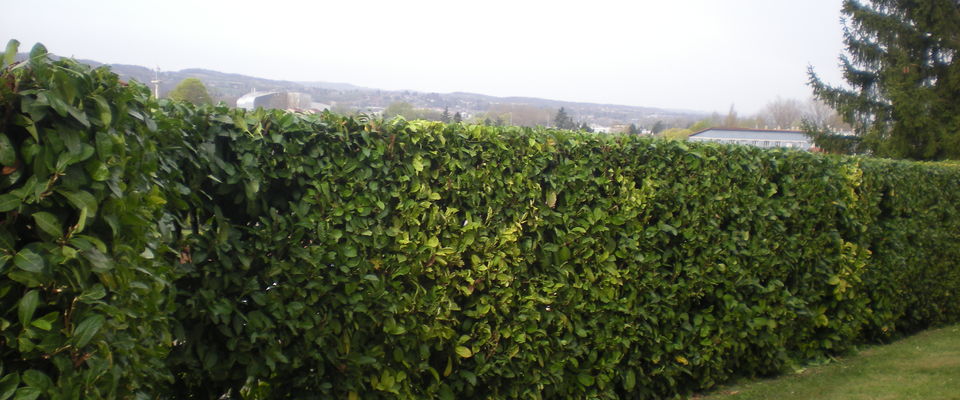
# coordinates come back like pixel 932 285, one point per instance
pixel 156 83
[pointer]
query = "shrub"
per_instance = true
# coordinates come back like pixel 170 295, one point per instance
pixel 343 256
pixel 84 287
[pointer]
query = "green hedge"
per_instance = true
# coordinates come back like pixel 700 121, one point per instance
pixel 323 256
pixel 85 295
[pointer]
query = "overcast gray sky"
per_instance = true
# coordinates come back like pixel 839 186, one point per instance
pixel 687 54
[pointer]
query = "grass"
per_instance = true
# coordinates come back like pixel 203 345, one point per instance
pixel 924 366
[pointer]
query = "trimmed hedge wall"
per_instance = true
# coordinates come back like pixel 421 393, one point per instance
pixel 295 256
pixel 85 291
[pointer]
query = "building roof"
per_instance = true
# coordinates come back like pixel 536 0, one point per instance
pixel 751 134
pixel 254 95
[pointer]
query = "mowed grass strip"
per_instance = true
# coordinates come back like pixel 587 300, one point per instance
pixel 924 366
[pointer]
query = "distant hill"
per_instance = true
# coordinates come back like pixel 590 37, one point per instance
pixel 346 97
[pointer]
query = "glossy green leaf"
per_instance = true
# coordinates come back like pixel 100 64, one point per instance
pixel 9 56
pixel 37 379
pixel 86 330
pixel 417 164
pixel 4 260
pixel 349 251
pixel 66 86
pixel 81 221
pixel 38 53
pixel 29 261
pixel 27 305
pixel 100 262
pixel 104 144
pixel 48 223
pixel 28 393
pixel 55 102
pixel 96 292
pixel 8 385
pixel 8 154
pixel 80 199
pixel 28 124
pixel 9 202
pixel 99 171
pixel 41 324
pixel 463 351
pixel 46 322
pixel 629 380
pixel 585 380
pixel 551 199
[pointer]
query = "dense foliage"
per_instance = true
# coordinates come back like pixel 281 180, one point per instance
pixel 84 294
pixel 903 76
pixel 191 90
pixel 331 257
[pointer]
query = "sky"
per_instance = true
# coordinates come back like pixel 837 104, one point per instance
pixel 702 55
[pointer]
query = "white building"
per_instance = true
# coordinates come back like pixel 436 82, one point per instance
pixel 755 137
pixel 280 100
pixel 600 128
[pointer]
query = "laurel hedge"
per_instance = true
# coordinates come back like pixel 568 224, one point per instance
pixel 85 291
pixel 269 254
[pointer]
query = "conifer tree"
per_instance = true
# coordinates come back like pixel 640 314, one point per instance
pixel 658 127
pixel 445 117
pixel 563 121
pixel 903 76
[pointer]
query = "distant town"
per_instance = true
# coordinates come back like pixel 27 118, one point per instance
pixel 238 90
pixel 780 119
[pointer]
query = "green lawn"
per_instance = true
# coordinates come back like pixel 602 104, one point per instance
pixel 924 366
